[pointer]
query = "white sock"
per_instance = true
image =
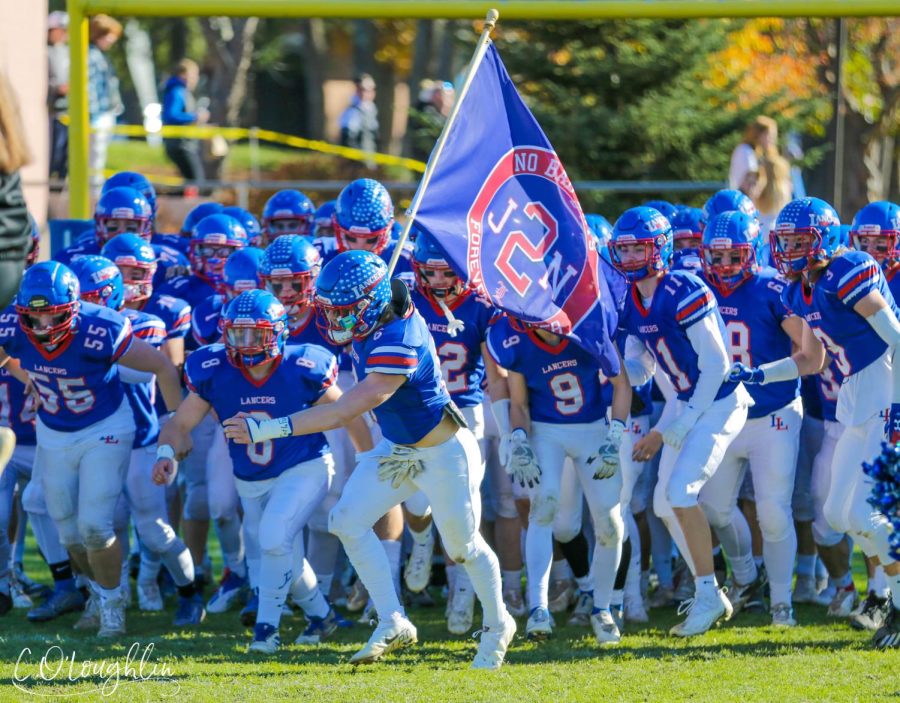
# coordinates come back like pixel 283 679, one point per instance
pixel 275 579
pixel 616 599
pixel 463 583
pixel 393 549
pixel 150 566
pixel 483 571
pixel 585 583
pixel 108 594
pixel 368 557
pixel 512 580
pixel 894 583
pixel 230 537
pixel 878 584
pixel 604 565
pixel 779 558
pixel 706 585
pixel 560 570
pixel 538 557
pixel 450 570
pixel 420 538
pixel 179 563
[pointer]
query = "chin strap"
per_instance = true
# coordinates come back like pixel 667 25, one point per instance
pixel 454 326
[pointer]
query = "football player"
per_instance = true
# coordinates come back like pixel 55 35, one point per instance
pixel 759 329
pixel 72 351
pixel 675 324
pixel 287 212
pixel 280 483
pixel 425 447
pixel 845 299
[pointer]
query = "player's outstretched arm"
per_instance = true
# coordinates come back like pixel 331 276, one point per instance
pixel 375 389
pixel 359 432
pixel 808 357
pixel 142 357
pixel 175 437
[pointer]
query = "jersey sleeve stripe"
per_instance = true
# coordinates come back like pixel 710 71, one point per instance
pixel 391 360
pixel 697 305
pixel 857 284
pixel 123 342
pixel 395 351
pixel 402 371
pixel 187 382
pixel 688 300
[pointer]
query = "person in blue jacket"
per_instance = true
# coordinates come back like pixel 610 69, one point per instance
pixel 179 109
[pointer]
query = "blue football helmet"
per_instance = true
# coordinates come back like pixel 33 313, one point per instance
pixel 875 230
pixel 214 239
pixel 100 281
pixel 133 179
pixel 47 303
pixel 730 249
pixel 249 221
pixel 241 272
pixel 198 213
pixel 254 327
pixel 122 210
pixel 601 230
pixel 323 226
pixel 728 199
pixel 287 212
pixel 650 231
pixel 435 279
pixel 664 207
pixel 137 262
pixel 363 216
pixel 352 292
pixel 807 232
pixel 289 270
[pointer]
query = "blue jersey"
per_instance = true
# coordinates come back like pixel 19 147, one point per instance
pixel 167 258
pixel 753 313
pixel 642 396
pixel 142 396
pixel 17 410
pixel 828 384
pixel 680 300
pixel 462 363
pixel 193 290
pixel 309 333
pixel 812 401
pixel 303 375
pixel 172 241
pixel 85 246
pixel 564 382
pixel 828 308
pixel 404 346
pixel 79 380
pixel 205 320
pixel 174 312
pixel 328 249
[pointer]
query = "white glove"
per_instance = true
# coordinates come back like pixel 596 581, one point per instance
pixel 605 461
pixel 264 430
pixel 676 432
pixel 503 449
pixel 399 466
pixel 522 465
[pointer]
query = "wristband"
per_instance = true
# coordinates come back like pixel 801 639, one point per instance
pixel 165 451
pixel 264 430
pixel 782 370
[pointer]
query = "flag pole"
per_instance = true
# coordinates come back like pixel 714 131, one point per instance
pixel 489 23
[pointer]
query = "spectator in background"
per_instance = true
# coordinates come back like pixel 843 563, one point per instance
pixel 104 102
pixel 775 186
pixel 58 91
pixel 359 122
pixel 179 109
pixel 427 118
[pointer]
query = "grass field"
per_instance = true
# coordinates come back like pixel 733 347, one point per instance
pixel 744 660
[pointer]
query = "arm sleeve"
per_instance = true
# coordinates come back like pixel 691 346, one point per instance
pixel 885 323
pixel 173 108
pixel 639 362
pixel 712 361
pixel 128 375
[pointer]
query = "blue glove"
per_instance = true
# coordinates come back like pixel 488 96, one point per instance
pixel 746 374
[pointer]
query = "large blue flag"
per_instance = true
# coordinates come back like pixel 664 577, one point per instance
pixel 504 211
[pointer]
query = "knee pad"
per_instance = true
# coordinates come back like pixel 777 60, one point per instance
pixel 196 503
pixel 824 534
pixel 835 515
pixel 95 536
pixel 156 535
pixel 609 529
pixel 342 523
pixel 273 538
pixel 775 520
pixel 543 509
pixel 33 499
pixel 461 552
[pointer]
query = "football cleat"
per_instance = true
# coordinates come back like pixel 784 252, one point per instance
pixel 149 597
pixel 90 618
pixel 493 645
pixel 227 593
pixel 462 612
pixel 369 615
pixel 562 595
pixel 618 615
pixel 871 614
pixel 805 589
pixel 190 611
pixel 635 610
pixel 358 596
pixel 540 624
pixel 702 614
pixel 266 639
pixel 28 585
pixel 20 599
pixel 662 598
pixel 59 603
pixel 112 618
pixel 783 615
pixel 888 635
pixel 605 629
pixel 389 636
pixel 739 595
pixel 417 573
pixel 319 629
pixel 514 602
pixel 843 602
pixel 584 606
pixel 248 612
